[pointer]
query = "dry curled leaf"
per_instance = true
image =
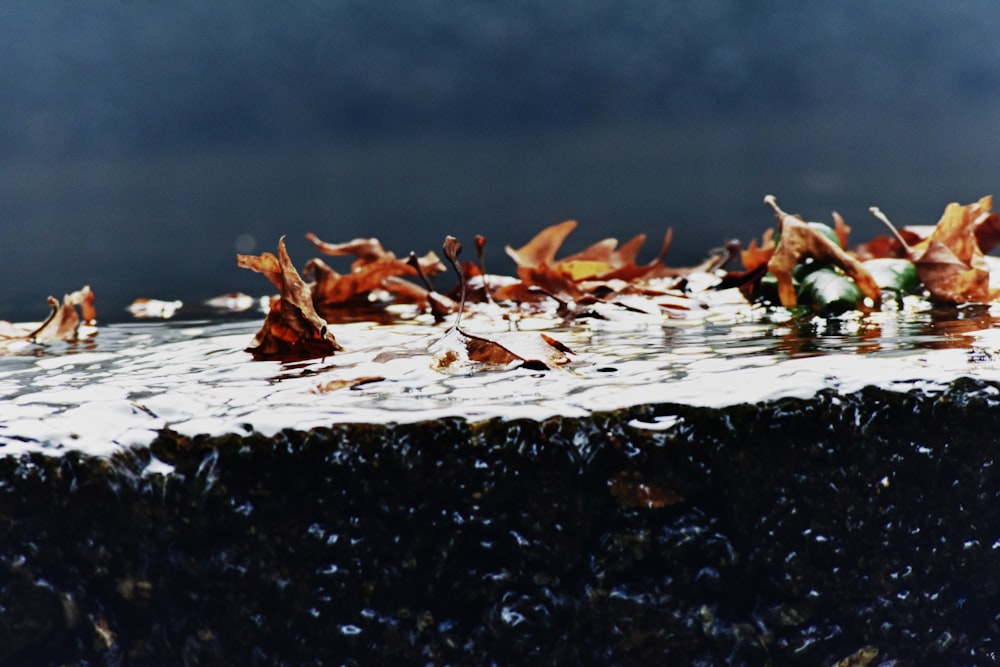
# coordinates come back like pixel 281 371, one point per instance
pixel 334 385
pixel 372 268
pixel 293 329
pixel 799 241
pixel 458 347
pixel 62 324
pixel 64 321
pixel 950 262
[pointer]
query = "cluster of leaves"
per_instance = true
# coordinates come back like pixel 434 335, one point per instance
pixel 812 263
pixel 800 265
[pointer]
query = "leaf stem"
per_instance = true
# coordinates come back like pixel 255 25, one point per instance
pixel 877 212
pixel 451 249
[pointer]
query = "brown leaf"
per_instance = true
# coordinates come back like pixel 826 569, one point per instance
pixel 62 324
pixel 987 227
pixel 530 349
pixel 365 250
pixel 331 288
pixel 498 350
pixel 800 241
pixel 293 329
pixel 372 268
pixel 950 262
pixel 334 385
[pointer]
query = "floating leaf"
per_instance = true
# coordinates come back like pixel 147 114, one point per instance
pixel 950 263
pixel 64 322
pixel 293 329
pixel 143 308
pixel 601 262
pixel 334 385
pixel 530 349
pixel 458 347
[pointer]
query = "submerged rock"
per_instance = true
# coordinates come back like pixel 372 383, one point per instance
pixel 838 529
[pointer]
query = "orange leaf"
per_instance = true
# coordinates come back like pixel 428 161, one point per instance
pixel 950 262
pixel 543 247
pixel 755 255
pixel 602 261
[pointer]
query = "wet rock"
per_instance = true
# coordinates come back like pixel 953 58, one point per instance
pixel 801 531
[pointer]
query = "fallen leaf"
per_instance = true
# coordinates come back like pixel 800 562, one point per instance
pixel 365 250
pixel 501 350
pixel 759 255
pixel 458 347
pixel 602 261
pixel 799 241
pixel 144 308
pixel 369 271
pixel 950 262
pixel 64 322
pixel 293 330
pixel 234 302
pixel 334 385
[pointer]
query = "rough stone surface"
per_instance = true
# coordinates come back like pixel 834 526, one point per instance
pixel 794 532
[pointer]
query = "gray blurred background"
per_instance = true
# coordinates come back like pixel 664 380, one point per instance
pixel 143 144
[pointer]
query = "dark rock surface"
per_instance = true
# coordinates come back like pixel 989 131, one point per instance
pixel 796 532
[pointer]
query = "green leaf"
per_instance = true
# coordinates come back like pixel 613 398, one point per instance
pixel 899 275
pixel 829 292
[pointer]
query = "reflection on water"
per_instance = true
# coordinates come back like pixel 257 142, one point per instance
pixel 914 326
